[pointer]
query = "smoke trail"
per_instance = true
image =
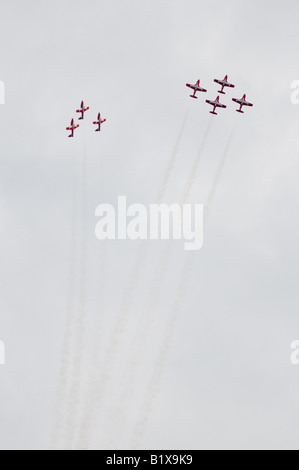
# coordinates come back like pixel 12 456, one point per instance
pixel 193 172
pixel 92 386
pixel 172 160
pixel 217 177
pixel 155 379
pixel 103 373
pixel 144 327
pixel 66 347
pixel 76 368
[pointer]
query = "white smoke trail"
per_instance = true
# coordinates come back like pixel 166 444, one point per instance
pixel 193 172
pixel 155 379
pixel 92 385
pixel 219 171
pixel 70 313
pixel 79 323
pixel 103 373
pixel 116 419
pixel 114 425
pixel 171 162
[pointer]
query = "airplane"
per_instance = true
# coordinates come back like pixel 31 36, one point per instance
pixel 196 88
pixel 215 104
pixel 99 122
pixel 72 128
pixel 82 110
pixel 242 102
pixel 224 83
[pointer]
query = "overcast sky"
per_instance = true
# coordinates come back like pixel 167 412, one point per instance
pixel 225 380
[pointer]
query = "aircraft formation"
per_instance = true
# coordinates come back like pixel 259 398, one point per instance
pixel 196 88
pixel 82 110
pixel 216 103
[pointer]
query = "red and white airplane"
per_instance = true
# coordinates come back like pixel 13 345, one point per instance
pixel 82 110
pixel 99 122
pixel 224 83
pixel 72 128
pixel 196 88
pixel 215 105
pixel 242 102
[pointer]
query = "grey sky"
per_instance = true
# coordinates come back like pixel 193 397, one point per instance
pixel 228 381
